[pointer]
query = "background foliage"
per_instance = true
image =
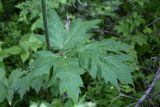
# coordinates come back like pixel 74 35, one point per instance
pixel 107 58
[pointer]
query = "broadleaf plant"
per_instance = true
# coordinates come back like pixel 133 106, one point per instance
pixel 74 52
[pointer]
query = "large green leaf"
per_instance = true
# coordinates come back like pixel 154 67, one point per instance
pixel 43 63
pixel 113 70
pixel 109 57
pixel 17 83
pixel 68 71
pixel 89 55
pixel 22 86
pixel 57 32
pixel 65 69
pixel 62 39
pixel 78 32
pixel 37 83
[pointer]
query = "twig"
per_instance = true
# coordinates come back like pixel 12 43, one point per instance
pixel 122 95
pixel 45 22
pixel 127 96
pixel 150 101
pixel 144 68
pixel 16 102
pixel 156 20
pixel 131 104
pixel 115 98
pixel 149 90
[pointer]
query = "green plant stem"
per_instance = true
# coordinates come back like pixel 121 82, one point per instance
pixel 45 22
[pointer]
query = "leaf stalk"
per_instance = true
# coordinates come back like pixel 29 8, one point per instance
pixel 45 22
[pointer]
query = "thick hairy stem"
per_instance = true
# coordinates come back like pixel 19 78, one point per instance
pixel 45 22
pixel 149 90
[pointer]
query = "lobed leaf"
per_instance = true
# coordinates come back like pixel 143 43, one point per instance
pixel 61 39
pixel 94 58
pixel 68 71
